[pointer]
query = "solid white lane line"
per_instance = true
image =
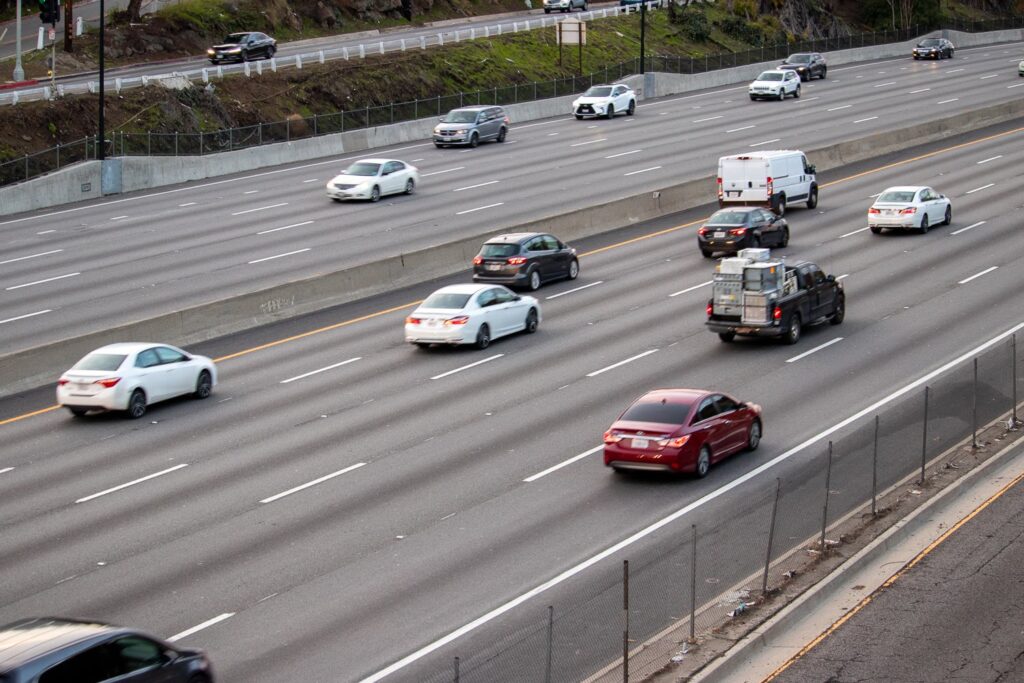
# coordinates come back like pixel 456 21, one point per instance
pixel 642 170
pixel 186 204
pixel 690 289
pixel 969 227
pixel 467 367
pixel 764 142
pixel 870 118
pixel 555 296
pixel 259 208
pixel 25 258
pixel 564 463
pixel 855 232
pixel 317 372
pixel 588 142
pixel 979 189
pixel 638 356
pixel 736 130
pixel 814 350
pixel 473 187
pixel 479 208
pixel 311 180
pixel 985 161
pixel 133 483
pixel 882 85
pixel 117 218
pixel 845 106
pixel 27 315
pixel 665 521
pixel 710 118
pixel 447 170
pixel 622 154
pixel 6 470
pixel 271 258
pixel 989 76
pixel 284 227
pixel 948 101
pixel 914 92
pixel 977 275
pixel 300 487
pixel 39 282
pixel 199 627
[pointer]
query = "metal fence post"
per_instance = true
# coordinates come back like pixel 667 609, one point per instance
pixel 771 538
pixel 625 626
pixel 149 143
pixel 693 585
pixel 26 167
pixel 58 155
pixel 924 435
pixel 828 484
pixel 316 129
pixel 392 106
pixel 175 143
pixel 551 639
pixel 974 409
pixel 1014 422
pixel 874 473
pixel 456 679
pixel 200 144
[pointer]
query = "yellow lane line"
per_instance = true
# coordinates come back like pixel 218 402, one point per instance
pixel 28 415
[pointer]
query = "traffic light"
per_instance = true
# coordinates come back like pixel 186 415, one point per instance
pixel 49 11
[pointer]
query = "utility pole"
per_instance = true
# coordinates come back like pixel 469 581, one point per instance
pixel 643 26
pixel 68 25
pixel 19 72
pixel 101 149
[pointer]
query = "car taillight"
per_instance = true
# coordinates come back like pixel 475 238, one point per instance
pixel 709 308
pixel 737 231
pixel 62 381
pixel 413 321
pixel 703 231
pixel 719 188
pixel 777 313
pixel 874 210
pixel 909 210
pixel 108 381
pixel 477 260
pixel 611 437
pixel 517 260
pixel 457 320
pixel 678 442
pixel 771 187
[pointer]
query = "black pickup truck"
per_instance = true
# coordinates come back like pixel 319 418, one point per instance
pixel 807 297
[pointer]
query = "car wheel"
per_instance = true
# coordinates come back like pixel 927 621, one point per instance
pixel 204 385
pixel 244 55
pixel 924 224
pixel 137 404
pixel 949 216
pixel 754 435
pixel 502 133
pixel 632 108
pixel 703 463
pixel 951 54
pixel 410 186
pixel 375 194
pixel 483 337
pixel 824 73
pixel 271 52
pixel 796 93
pixel 727 337
pixel 876 230
pixel 785 238
pixel 583 7
pixel 780 205
pixel 840 314
pixel 78 412
pixel 812 200
pixel 755 241
pixel 422 345
pixel 199 678
pixel 530 326
pixel 336 199
pixel 782 94
pixel 547 11
pixel 574 270
pixel 579 117
pixel 752 98
pixel 474 140
pixel 533 280
pixel 792 335
pixel 439 145
pixel 611 111
pixel 706 254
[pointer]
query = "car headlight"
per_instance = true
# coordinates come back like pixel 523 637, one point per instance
pixel 210 51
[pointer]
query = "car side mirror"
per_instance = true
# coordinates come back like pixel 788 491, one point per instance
pixel 517 298
pixel 831 278
pixel 811 169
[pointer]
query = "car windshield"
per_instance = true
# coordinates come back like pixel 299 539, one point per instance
pixel 460 116
pixel 770 76
pixel 598 91
pixel 106 362
pixel 665 413
pixel 363 168
pixel 501 250
pixel 898 197
pixel 236 38
pixel 931 42
pixel 446 300
pixel 798 59
pixel 728 218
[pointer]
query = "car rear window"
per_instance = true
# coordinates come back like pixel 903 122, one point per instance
pixel 770 76
pixel 728 218
pixel 666 413
pixel 499 250
pixel 598 91
pixel 446 300
pixel 896 197
pixel 106 362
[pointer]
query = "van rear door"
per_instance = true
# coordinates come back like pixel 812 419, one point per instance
pixel 744 179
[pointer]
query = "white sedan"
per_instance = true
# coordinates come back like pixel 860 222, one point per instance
pixel 909 207
pixel 133 375
pixel 775 84
pixel 372 179
pixel 471 314
pixel 605 100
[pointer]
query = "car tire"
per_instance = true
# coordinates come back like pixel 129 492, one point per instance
pixel 754 435
pixel 755 241
pixel 574 270
pixel 876 230
pixel 531 323
pixel 375 194
pixel 792 335
pixel 753 99
pixel 785 238
pixel 336 199
pixel 533 280
pixel 439 145
pixel 483 337
pixel 951 54
pixel 796 93
pixel 410 186
pixel 271 51
pixel 474 139
pixel 422 345
pixel 706 254
pixel 782 94
pixel 923 229
pixel 824 73
pixel 204 385
pixel 840 315
pixel 502 133
pixel 136 404
pixel 703 463
pixel 812 199
pixel 949 216
pixel 727 337
pixel 547 11
pixel 780 204
pixel 583 7
pixel 579 117
pixel 610 111
pixel 78 412
pixel 199 678
pixel 632 108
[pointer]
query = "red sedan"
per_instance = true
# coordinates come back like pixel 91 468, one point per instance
pixel 681 430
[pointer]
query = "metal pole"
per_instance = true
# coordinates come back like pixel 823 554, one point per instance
pixel 1013 373
pixel 19 71
pixel 924 437
pixel 974 408
pixel 771 538
pixel 625 628
pixel 693 585
pixel 874 474
pixel 643 31
pixel 101 152
pixel 551 638
pixel 828 484
pixel 456 670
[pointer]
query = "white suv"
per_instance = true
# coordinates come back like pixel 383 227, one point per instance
pixel 775 84
pixel 564 5
pixel 605 100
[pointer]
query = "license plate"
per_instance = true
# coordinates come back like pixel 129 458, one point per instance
pixel 81 387
pixel 719 235
pixel 431 323
pixel 493 266
pixel 640 443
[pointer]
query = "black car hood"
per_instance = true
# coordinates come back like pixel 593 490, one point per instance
pixel 227 46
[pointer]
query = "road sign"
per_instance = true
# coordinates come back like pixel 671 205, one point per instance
pixel 571 32
pixel 52 34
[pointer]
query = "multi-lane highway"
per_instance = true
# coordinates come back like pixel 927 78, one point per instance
pixel 85 268
pixel 324 520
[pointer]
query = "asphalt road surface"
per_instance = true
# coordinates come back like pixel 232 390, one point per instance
pixel 74 270
pixel 323 522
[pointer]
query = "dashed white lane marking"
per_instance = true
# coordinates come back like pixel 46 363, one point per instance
pixel 811 99
pixel 954 99
pixel 588 142
pixel 25 258
pixel 6 470
pixel 251 191
pixel 989 76
pixel 133 482
pixel 1014 86
pixel 855 231
pixel 845 106
pixel 473 187
pixel 815 350
pixel 467 367
pixel 690 289
pixel 117 218
pixel 914 92
pixel 27 315
pixel 447 170
pixel 45 232
pixel 977 275
pixel 311 180
pixel 40 282
pixel 979 189
pixel 186 204
pixel 622 154
pixel 709 118
pixel 301 487
pixel 953 71
pixel 564 463
pixel 276 256
pixel 969 227
pixel 479 208
pixel 259 208
pixel 736 130
pixel 638 356
pixel 199 627
pixel 870 118
pixel 284 227
pixel 317 372
pixel 642 170
pixel 985 161
pixel 764 142
pixel 882 85
pixel 555 296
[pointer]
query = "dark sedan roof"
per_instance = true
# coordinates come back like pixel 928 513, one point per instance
pixel 513 237
pixel 24 640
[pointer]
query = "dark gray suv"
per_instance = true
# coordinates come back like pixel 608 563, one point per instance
pixel 525 260
pixel 471 126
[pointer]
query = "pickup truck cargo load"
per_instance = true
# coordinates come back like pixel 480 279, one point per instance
pixel 774 179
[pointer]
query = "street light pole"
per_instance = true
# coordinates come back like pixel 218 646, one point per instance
pixel 643 27
pixel 102 148
pixel 19 72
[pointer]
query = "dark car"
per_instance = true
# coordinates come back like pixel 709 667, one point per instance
pixel 681 430
pixel 525 259
pixel 933 48
pixel 807 65
pixel 242 47
pixel 741 227
pixel 54 650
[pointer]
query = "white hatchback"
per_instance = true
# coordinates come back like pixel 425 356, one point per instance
pixel 909 207
pixel 372 179
pixel 471 314
pixel 775 84
pixel 130 376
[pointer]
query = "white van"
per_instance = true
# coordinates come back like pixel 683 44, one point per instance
pixel 771 178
